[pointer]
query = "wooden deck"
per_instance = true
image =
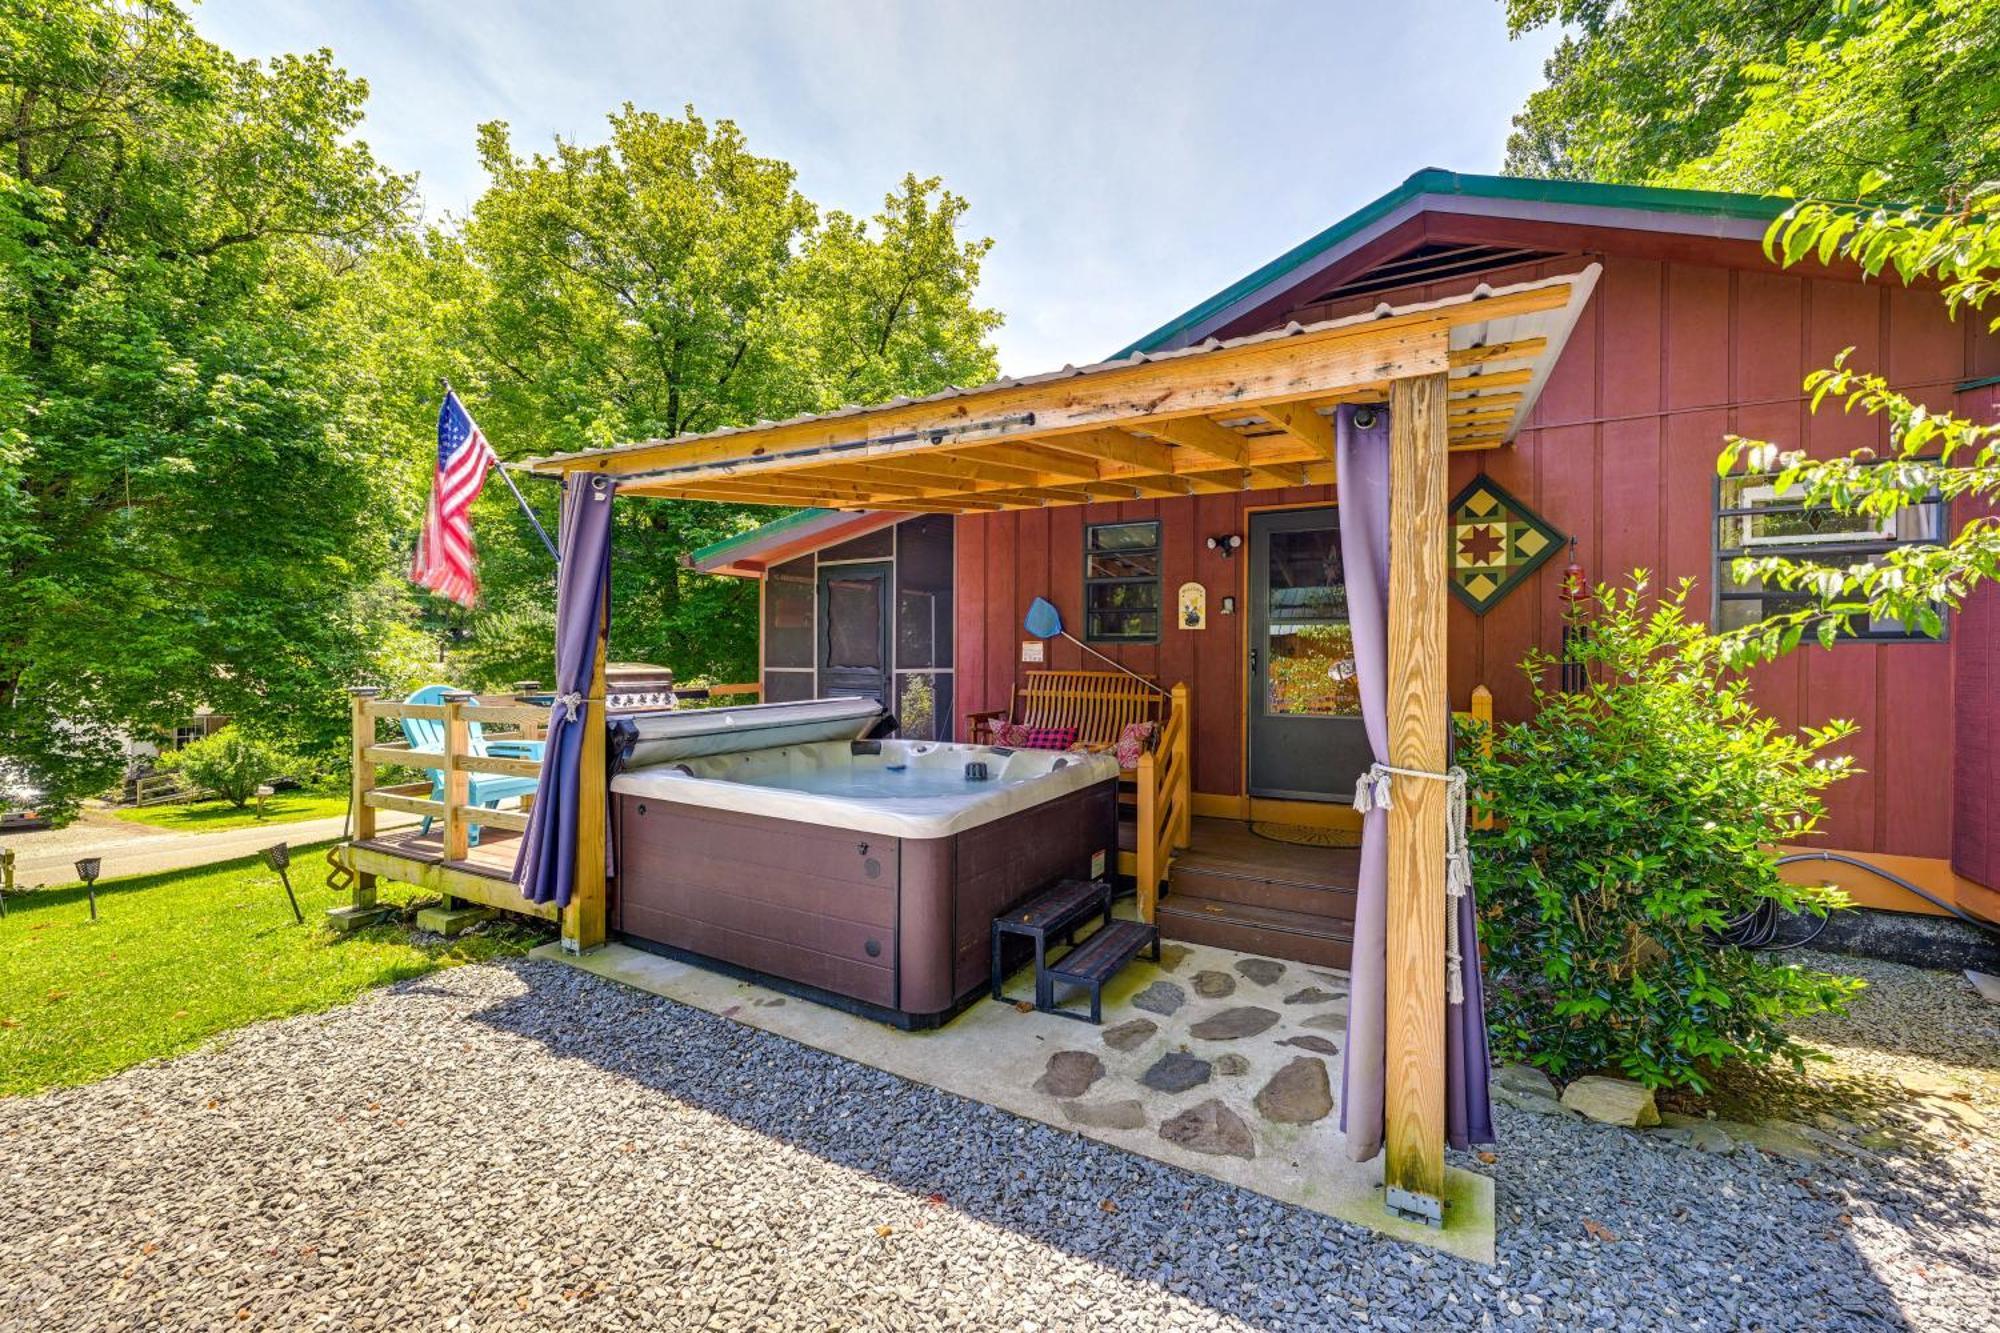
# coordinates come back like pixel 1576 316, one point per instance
pixel 1236 889
pixel 484 877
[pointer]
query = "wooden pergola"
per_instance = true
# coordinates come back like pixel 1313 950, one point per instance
pixel 1458 373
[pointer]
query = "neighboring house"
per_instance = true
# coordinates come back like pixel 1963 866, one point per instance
pixel 1689 335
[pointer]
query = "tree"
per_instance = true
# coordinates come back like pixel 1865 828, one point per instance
pixel 1635 821
pixel 229 763
pixel 670 281
pixel 1930 455
pixel 187 485
pixel 1757 95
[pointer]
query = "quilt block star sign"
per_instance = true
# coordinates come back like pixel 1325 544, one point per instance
pixel 1496 541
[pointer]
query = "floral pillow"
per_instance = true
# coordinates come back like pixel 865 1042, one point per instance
pixel 1134 741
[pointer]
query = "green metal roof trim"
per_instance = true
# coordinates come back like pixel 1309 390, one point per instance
pixel 757 534
pixel 1436 181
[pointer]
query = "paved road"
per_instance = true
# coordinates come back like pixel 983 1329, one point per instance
pixel 49 856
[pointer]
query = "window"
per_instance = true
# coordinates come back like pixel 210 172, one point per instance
pixel 1121 582
pixel 1753 518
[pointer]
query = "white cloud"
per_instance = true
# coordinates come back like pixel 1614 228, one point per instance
pixel 1128 158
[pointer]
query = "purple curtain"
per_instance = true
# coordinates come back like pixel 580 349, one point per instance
pixel 1361 471
pixel 546 866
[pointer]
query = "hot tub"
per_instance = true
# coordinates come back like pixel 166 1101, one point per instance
pixel 866 873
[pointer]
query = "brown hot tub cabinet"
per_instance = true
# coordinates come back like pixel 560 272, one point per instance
pixel 896 927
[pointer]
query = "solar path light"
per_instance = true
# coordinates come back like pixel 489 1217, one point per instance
pixel 87 870
pixel 278 858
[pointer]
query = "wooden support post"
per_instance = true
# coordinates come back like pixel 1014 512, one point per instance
pixel 1481 710
pixel 457 742
pixel 362 777
pixel 523 689
pixel 1413 1094
pixel 583 920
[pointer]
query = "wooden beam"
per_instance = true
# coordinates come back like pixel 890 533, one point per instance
pixel 368 861
pixel 1303 424
pixel 1492 379
pixel 361 775
pixel 1413 1091
pixel 1520 349
pixel 584 919
pixel 1204 437
pixel 1115 446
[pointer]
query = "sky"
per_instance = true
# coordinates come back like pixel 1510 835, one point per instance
pixel 1128 159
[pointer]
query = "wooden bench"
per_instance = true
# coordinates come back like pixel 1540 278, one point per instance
pixel 1097 960
pixel 1099 704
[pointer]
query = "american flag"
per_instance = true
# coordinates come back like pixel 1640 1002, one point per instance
pixel 444 562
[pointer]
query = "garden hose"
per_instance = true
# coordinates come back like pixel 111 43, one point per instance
pixel 1759 927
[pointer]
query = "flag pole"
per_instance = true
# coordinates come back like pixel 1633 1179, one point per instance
pixel 519 499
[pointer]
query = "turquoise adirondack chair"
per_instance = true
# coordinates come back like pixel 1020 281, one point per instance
pixel 482 789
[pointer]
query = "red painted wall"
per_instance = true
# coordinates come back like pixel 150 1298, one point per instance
pixel 1683 342
pixel 1975 662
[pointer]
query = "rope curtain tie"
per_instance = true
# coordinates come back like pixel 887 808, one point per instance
pixel 1373 791
pixel 570 703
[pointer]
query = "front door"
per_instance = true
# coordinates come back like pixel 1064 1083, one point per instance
pixel 854 631
pixel 1306 737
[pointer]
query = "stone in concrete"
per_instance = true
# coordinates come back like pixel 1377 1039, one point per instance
pixel 1070 1074
pixel 1162 997
pixel 1230 1024
pixel 349 918
pixel 1125 1113
pixel 1311 995
pixel 1298 1094
pixel 1176 1071
pixel 1612 1101
pixel 1263 971
pixel 452 920
pixel 1229 1064
pixel 1211 1128
pixel 1131 1035
pixel 1172 956
pixel 1332 1020
pixel 1214 985
pixel 1310 1042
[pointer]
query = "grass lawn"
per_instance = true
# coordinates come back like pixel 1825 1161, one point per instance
pixel 204 816
pixel 177 957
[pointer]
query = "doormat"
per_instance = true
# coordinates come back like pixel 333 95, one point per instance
pixel 1305 835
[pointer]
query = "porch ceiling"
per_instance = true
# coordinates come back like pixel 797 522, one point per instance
pixel 1248 414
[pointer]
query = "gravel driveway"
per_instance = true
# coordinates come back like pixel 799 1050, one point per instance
pixel 527 1146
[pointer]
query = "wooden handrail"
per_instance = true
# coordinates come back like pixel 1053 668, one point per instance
pixel 1165 814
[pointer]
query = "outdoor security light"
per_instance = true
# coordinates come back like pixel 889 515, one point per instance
pixel 86 870
pixel 278 858
pixel 1226 543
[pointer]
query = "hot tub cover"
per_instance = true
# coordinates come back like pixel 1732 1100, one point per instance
pixel 657 738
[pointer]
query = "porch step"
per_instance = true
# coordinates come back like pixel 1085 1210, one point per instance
pixel 1273 932
pixel 1193 878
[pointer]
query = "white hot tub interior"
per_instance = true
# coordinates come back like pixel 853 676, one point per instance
pixel 894 787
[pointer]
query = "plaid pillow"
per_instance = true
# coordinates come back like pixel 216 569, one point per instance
pixel 1048 738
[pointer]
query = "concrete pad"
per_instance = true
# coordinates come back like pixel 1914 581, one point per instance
pixel 997 1054
pixel 356 918
pixel 452 920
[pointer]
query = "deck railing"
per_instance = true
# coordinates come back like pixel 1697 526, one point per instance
pixel 1166 809
pixel 455 762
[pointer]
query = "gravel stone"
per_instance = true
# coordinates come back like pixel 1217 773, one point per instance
pixel 522 1146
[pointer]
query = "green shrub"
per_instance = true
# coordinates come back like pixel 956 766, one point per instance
pixel 1636 819
pixel 228 763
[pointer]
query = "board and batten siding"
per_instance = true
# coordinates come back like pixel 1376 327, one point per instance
pixel 1672 354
